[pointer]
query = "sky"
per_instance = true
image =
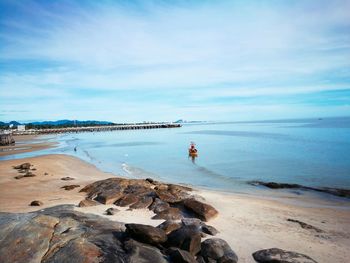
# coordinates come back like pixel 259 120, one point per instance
pixel 131 61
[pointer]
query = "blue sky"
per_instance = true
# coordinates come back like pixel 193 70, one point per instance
pixel 165 60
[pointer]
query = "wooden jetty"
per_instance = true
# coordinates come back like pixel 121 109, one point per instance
pixel 101 128
pixel 6 139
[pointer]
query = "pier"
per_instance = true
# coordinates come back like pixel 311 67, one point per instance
pixel 100 128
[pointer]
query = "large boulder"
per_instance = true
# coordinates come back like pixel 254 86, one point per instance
pixel 181 256
pixel 142 253
pixel 217 250
pixel 204 211
pixel 127 200
pixel 276 255
pixel 186 238
pixel 169 226
pixel 158 206
pixel 147 234
pixel 109 196
pixel 171 213
pixel 143 202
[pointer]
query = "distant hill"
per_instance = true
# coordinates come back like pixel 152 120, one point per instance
pixel 55 124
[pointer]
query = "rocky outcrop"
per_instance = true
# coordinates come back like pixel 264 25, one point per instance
pixel 87 202
pixel 62 234
pixel 333 191
pixel 276 255
pixel 24 170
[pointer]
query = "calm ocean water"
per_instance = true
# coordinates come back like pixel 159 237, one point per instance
pixel 308 152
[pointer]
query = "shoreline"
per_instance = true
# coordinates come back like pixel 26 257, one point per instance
pixel 248 223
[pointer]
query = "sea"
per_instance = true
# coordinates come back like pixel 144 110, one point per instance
pixel 311 152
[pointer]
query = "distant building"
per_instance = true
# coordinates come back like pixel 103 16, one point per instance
pixel 21 128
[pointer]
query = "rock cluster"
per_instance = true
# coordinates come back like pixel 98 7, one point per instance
pixel 24 170
pixel 60 233
pixel 167 201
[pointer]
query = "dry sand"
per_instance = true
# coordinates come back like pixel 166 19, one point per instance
pixel 246 222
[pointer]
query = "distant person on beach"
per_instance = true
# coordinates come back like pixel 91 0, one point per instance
pixel 75 148
pixel 192 151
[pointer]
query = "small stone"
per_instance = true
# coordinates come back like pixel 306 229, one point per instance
pixel 111 211
pixel 70 187
pixel 67 178
pixel 23 166
pixel 36 203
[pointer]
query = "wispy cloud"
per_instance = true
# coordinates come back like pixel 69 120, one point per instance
pixel 182 55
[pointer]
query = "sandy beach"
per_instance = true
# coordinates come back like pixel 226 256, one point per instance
pixel 247 223
pixel 26 143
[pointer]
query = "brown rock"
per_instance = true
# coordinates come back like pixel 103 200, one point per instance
pixel 186 238
pixel 70 187
pixel 171 213
pixel 159 206
pixel 146 233
pixel 67 178
pixel 127 200
pixel 210 230
pixel 88 202
pixel 25 166
pixel 169 226
pixel 109 196
pixel 276 255
pixel 111 211
pixel 143 202
pixel 181 256
pixel 217 250
pixel 204 211
pixel 36 203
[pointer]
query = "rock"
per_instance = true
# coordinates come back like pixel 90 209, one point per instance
pixel 333 191
pixel 143 202
pixel 192 222
pixel 67 178
pixel 33 169
pixel 36 203
pixel 168 197
pixel 159 206
pixel 27 237
pixel 109 196
pixel 210 230
pixel 276 255
pixel 111 211
pixel 187 238
pixel 305 226
pixel 19 176
pixel 60 234
pixel 127 200
pixel 142 253
pixel 217 250
pixel 88 202
pixel 70 187
pixel 171 213
pixel 169 226
pixel 146 234
pixel 181 256
pixel 24 166
pixel 46 173
pixel 150 180
pixel 29 174
pixel 204 211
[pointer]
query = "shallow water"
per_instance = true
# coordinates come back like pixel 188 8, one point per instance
pixel 308 152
